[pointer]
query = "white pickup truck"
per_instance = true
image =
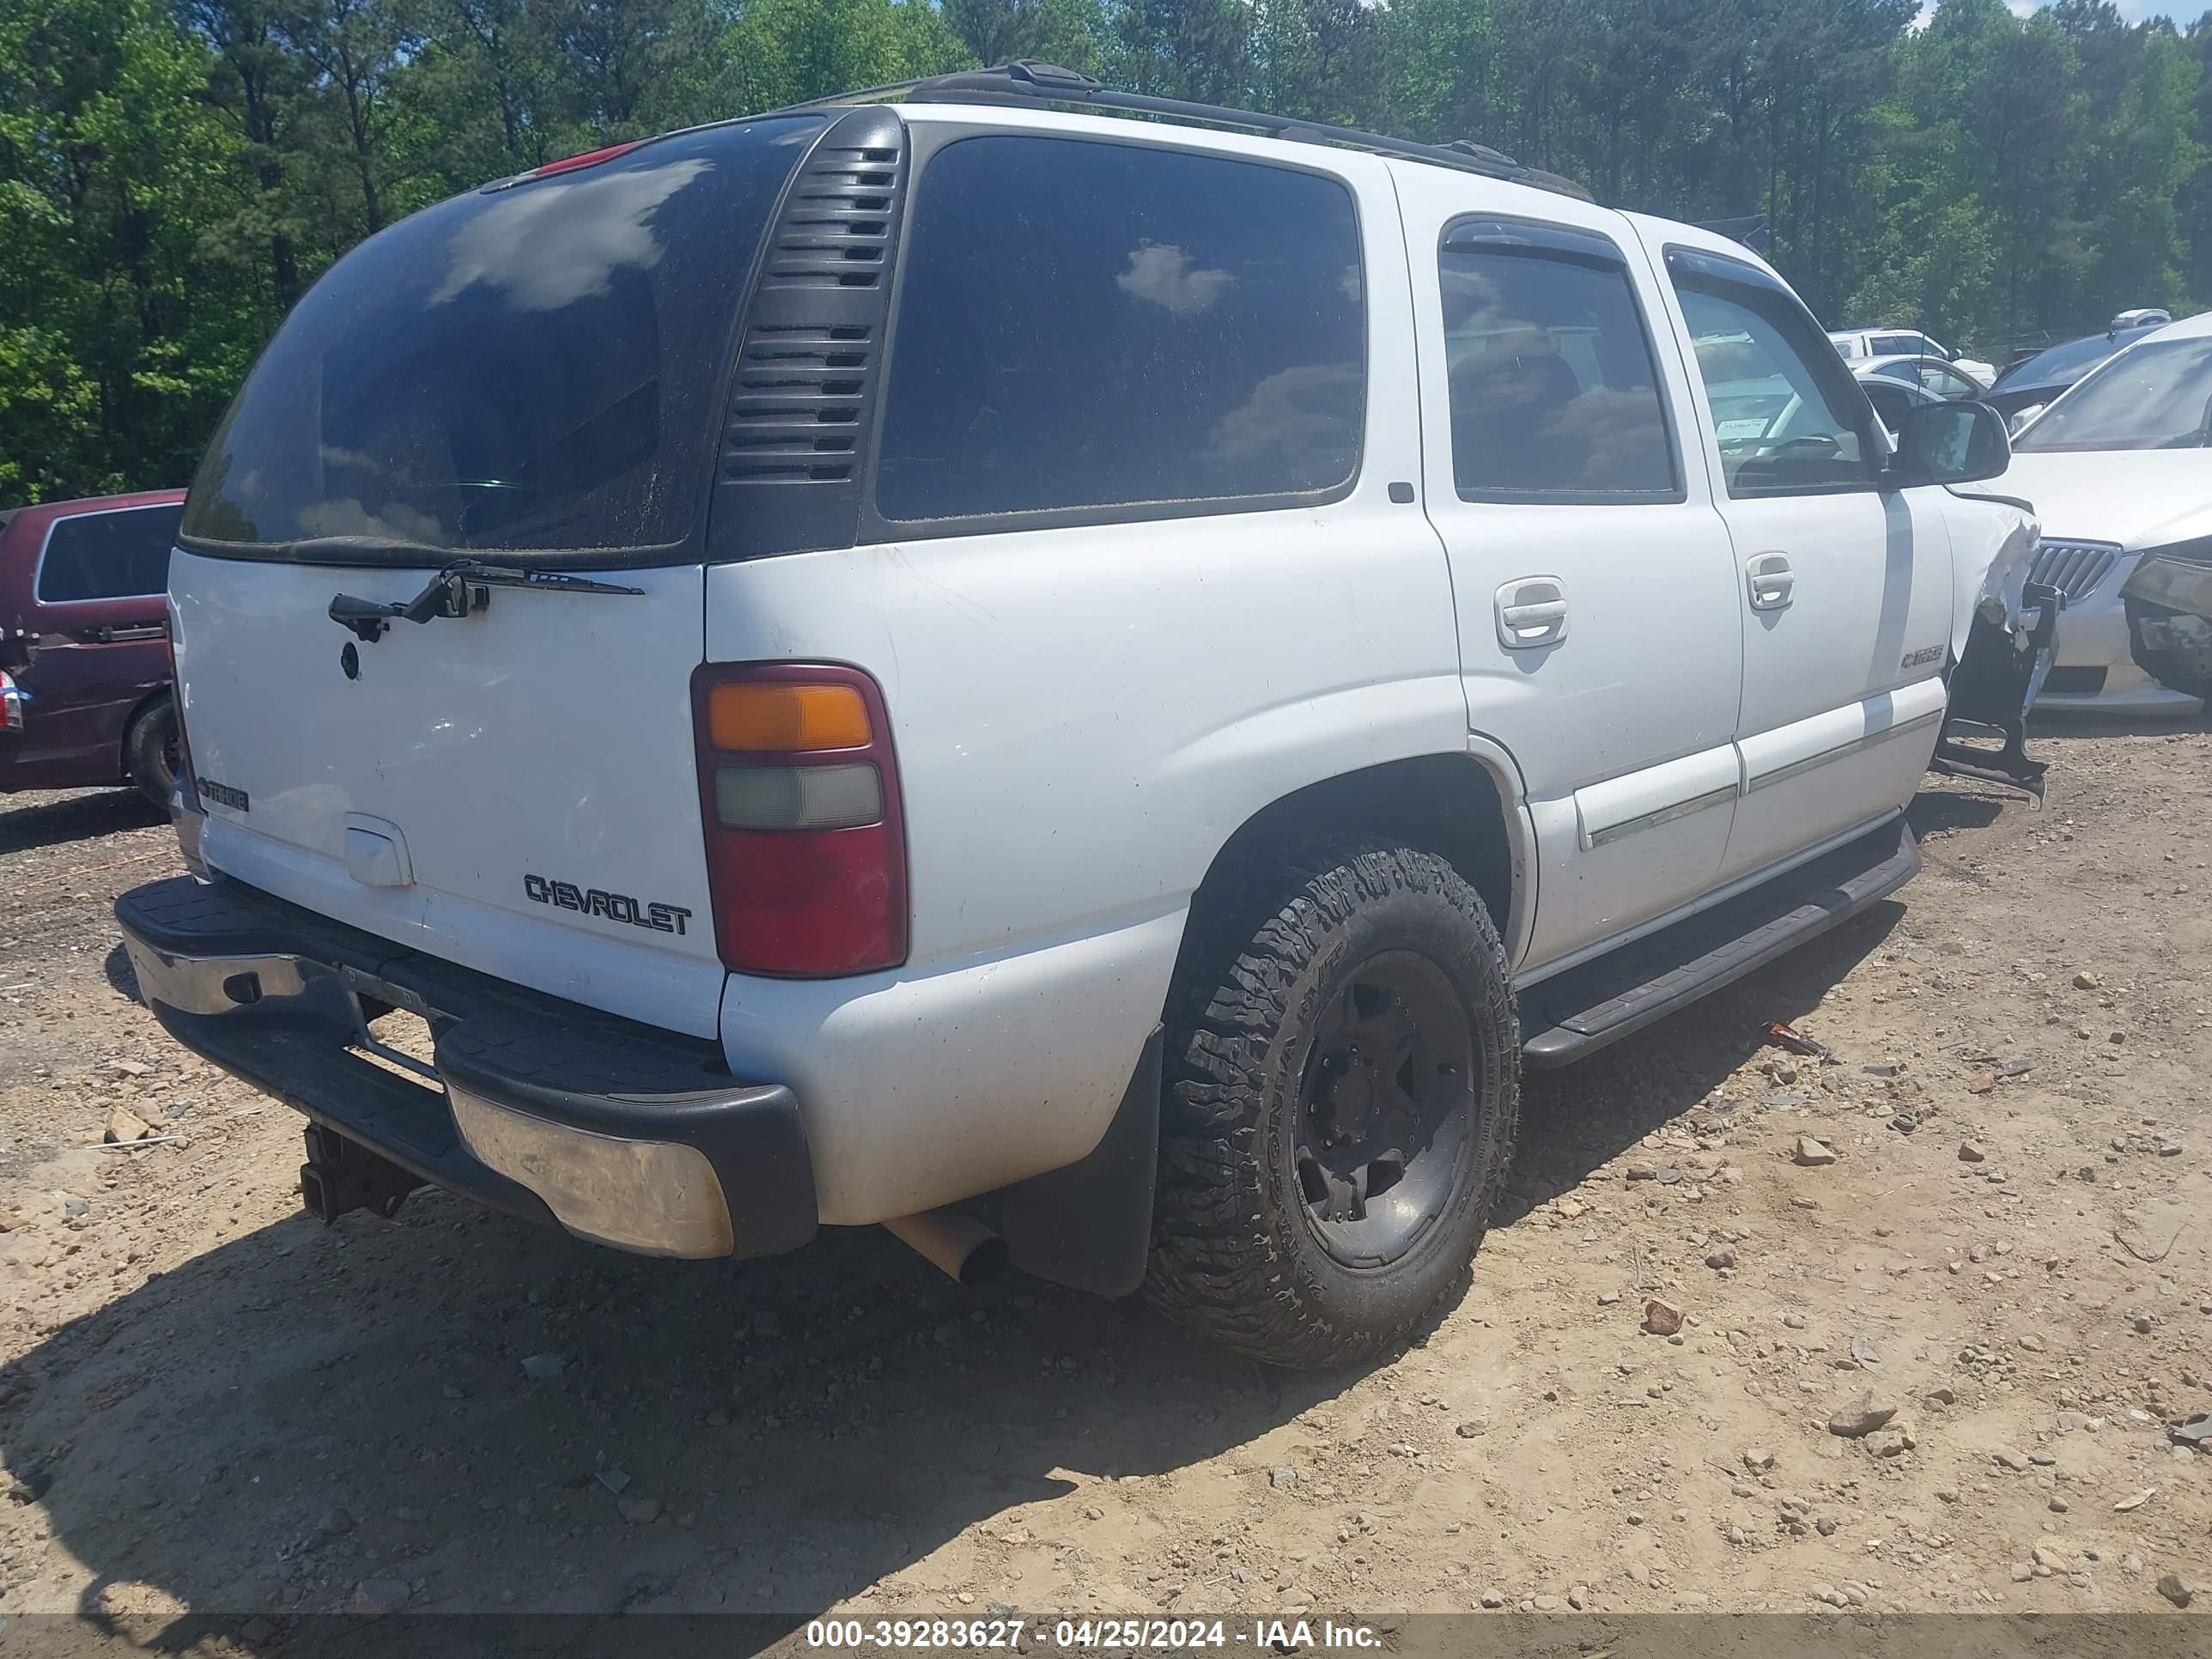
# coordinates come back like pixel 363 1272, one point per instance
pixel 887 654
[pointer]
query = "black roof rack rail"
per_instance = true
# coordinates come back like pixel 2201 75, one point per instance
pixel 1027 81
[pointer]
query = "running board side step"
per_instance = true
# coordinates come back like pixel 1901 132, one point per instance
pixel 1573 1016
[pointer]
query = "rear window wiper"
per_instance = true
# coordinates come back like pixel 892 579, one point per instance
pixel 459 589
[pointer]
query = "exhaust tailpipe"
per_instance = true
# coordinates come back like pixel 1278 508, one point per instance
pixel 953 1241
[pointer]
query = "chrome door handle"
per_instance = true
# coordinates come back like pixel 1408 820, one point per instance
pixel 1532 611
pixel 1769 580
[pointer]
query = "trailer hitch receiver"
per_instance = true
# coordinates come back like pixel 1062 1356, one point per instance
pixel 341 1175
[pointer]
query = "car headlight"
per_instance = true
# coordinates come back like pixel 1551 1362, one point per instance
pixel 2179 576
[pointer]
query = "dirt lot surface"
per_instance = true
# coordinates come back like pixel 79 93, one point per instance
pixel 208 1403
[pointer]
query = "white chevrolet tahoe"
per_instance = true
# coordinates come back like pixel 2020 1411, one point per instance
pixel 811 671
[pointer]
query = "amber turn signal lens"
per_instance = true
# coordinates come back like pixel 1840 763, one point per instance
pixel 785 718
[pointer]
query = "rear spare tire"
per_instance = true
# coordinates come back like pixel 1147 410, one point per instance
pixel 1341 1091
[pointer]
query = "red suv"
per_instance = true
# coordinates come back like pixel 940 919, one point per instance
pixel 84 644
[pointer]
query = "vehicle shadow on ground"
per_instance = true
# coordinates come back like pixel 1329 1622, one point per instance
pixel 120 975
pixel 74 818
pixel 2067 726
pixel 804 1427
pixel 1935 816
pixel 1581 1118
pixel 304 1410
pixel 299 1411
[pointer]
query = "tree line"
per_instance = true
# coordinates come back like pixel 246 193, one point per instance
pixel 174 173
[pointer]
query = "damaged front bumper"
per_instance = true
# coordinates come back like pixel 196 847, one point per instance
pixel 2169 606
pixel 1996 680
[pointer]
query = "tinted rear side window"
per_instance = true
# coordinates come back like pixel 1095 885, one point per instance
pixel 1554 393
pixel 527 369
pixel 1088 327
pixel 108 555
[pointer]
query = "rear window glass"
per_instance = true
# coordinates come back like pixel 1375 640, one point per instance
pixel 2070 361
pixel 526 369
pixel 121 555
pixel 2154 396
pixel 1087 326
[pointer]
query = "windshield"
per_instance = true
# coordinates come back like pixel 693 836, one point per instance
pixel 2156 396
pixel 520 369
pixel 2062 365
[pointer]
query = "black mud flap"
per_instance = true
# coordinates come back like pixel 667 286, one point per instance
pixel 1089 1225
pixel 1994 682
pixel 2169 604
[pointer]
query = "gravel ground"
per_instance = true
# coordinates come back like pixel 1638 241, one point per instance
pixel 1989 1213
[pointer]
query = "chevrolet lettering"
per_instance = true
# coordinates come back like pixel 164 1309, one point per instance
pixel 615 907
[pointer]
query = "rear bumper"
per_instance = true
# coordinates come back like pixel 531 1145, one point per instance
pixel 621 1133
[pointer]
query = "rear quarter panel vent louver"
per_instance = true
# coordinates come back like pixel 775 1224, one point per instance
pixel 804 387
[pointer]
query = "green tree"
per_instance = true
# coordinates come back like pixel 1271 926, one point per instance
pixel 118 340
pixel 498 46
pixel 173 172
pixel 1319 58
pixel 784 51
pixel 1072 33
pixel 255 78
pixel 1197 49
pixel 2194 198
pixel 354 50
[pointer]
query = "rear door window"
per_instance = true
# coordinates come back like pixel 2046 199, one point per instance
pixel 529 368
pixel 119 555
pixel 1554 394
pixel 1093 330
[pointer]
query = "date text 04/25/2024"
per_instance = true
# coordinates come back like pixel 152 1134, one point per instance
pixel 1086 1635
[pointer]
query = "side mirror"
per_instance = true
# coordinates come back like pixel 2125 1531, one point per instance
pixel 2021 417
pixel 1952 443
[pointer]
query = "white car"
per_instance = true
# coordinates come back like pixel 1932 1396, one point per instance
pixel 1854 345
pixel 2118 467
pixel 1946 380
pixel 849 660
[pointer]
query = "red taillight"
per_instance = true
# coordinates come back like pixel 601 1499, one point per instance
pixel 565 164
pixel 805 845
pixel 589 158
pixel 13 697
